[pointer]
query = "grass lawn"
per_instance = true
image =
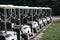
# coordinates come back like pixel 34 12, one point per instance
pixel 52 32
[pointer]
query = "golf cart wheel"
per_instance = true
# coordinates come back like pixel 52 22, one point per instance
pixel 2 38
pixel 44 24
pixel 26 37
pixel 47 22
pixel 32 32
pixel 40 26
pixel 35 30
pixel 12 39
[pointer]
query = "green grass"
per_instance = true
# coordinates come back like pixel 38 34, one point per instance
pixel 52 32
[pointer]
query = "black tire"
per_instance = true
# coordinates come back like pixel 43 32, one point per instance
pixel 44 24
pixel 47 22
pixel 26 37
pixel 12 39
pixel 32 32
pixel 2 38
pixel 35 30
pixel 40 26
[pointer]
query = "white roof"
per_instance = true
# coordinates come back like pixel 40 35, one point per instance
pixel 21 7
pixel 26 7
pixel 46 8
pixel 13 7
pixel 6 6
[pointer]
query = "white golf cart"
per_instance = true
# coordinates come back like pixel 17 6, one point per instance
pixel 48 14
pixel 10 35
pixel 39 16
pixel 34 24
pixel 25 28
pixel 6 35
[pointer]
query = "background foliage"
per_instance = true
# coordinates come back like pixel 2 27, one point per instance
pixel 54 4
